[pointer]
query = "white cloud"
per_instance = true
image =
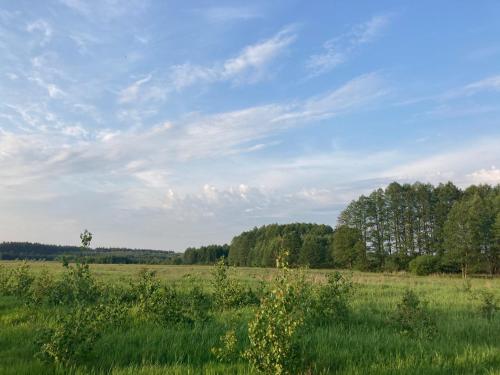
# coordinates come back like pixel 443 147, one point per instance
pixel 44 28
pixel 486 176
pixel 131 92
pixel 488 84
pixel 458 165
pixel 52 89
pixel 256 56
pixel 249 65
pixel 337 51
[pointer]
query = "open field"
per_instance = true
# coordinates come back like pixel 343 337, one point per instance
pixel 464 342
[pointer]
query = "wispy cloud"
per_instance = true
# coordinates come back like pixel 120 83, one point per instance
pixel 131 92
pixel 338 50
pixel 248 66
pixel 44 28
pixel 491 83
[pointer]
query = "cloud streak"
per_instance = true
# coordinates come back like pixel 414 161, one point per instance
pixel 338 50
pixel 248 66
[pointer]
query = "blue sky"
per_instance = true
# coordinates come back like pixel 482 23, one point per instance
pixel 167 124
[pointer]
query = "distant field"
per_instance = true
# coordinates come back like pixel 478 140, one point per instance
pixel 465 342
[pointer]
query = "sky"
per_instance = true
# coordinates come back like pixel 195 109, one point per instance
pixel 167 124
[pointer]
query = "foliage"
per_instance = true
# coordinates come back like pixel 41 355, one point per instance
pixel 333 299
pixel 227 351
pixel 229 293
pixel 166 305
pixel 405 221
pixel 77 285
pixel 367 344
pixel 308 244
pixel 412 317
pixel 72 338
pixel 16 281
pixel 348 248
pixel 274 329
pixel 424 265
pixel 489 305
pixel 205 254
pixel 42 288
pixel 86 239
pixel 37 251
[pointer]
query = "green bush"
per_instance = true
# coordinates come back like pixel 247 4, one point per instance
pixel 42 288
pixel 16 281
pixel 74 334
pixel 273 332
pixel 166 305
pixel 229 293
pixel 488 306
pixel 332 302
pixel 77 285
pixel 227 351
pixel 424 265
pixel 412 317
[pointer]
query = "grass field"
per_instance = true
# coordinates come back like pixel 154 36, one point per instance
pixel 367 343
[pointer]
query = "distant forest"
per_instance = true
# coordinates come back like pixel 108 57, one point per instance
pixel 37 251
pixel 417 227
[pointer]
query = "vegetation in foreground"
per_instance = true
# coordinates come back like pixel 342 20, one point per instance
pixel 123 319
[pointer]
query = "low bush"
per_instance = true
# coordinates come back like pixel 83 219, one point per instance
pixel 16 281
pixel 424 265
pixel 488 306
pixel 413 318
pixel 332 302
pixel 229 293
pixel 77 285
pixel 73 336
pixel 227 351
pixel 166 305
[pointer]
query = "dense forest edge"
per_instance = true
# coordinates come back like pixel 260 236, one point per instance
pixel 405 227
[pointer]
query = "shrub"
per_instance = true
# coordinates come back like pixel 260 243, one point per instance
pixel 74 334
pixel 424 265
pixel 333 298
pixel 71 339
pixel 77 285
pixel 227 351
pixel 197 305
pixel 165 305
pixel 488 305
pixel 16 281
pixel 4 280
pixel 273 332
pixel 42 288
pixel 229 293
pixel 146 292
pixel 412 317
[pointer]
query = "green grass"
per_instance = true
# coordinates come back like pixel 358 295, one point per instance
pixel 466 343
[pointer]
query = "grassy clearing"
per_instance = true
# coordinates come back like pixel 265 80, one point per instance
pixel 465 343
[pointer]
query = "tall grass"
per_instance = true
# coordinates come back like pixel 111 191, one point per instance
pixel 367 343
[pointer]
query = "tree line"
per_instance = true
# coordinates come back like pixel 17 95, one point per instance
pixel 438 228
pixel 38 251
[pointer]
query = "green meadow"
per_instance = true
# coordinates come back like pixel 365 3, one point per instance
pixel 366 341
